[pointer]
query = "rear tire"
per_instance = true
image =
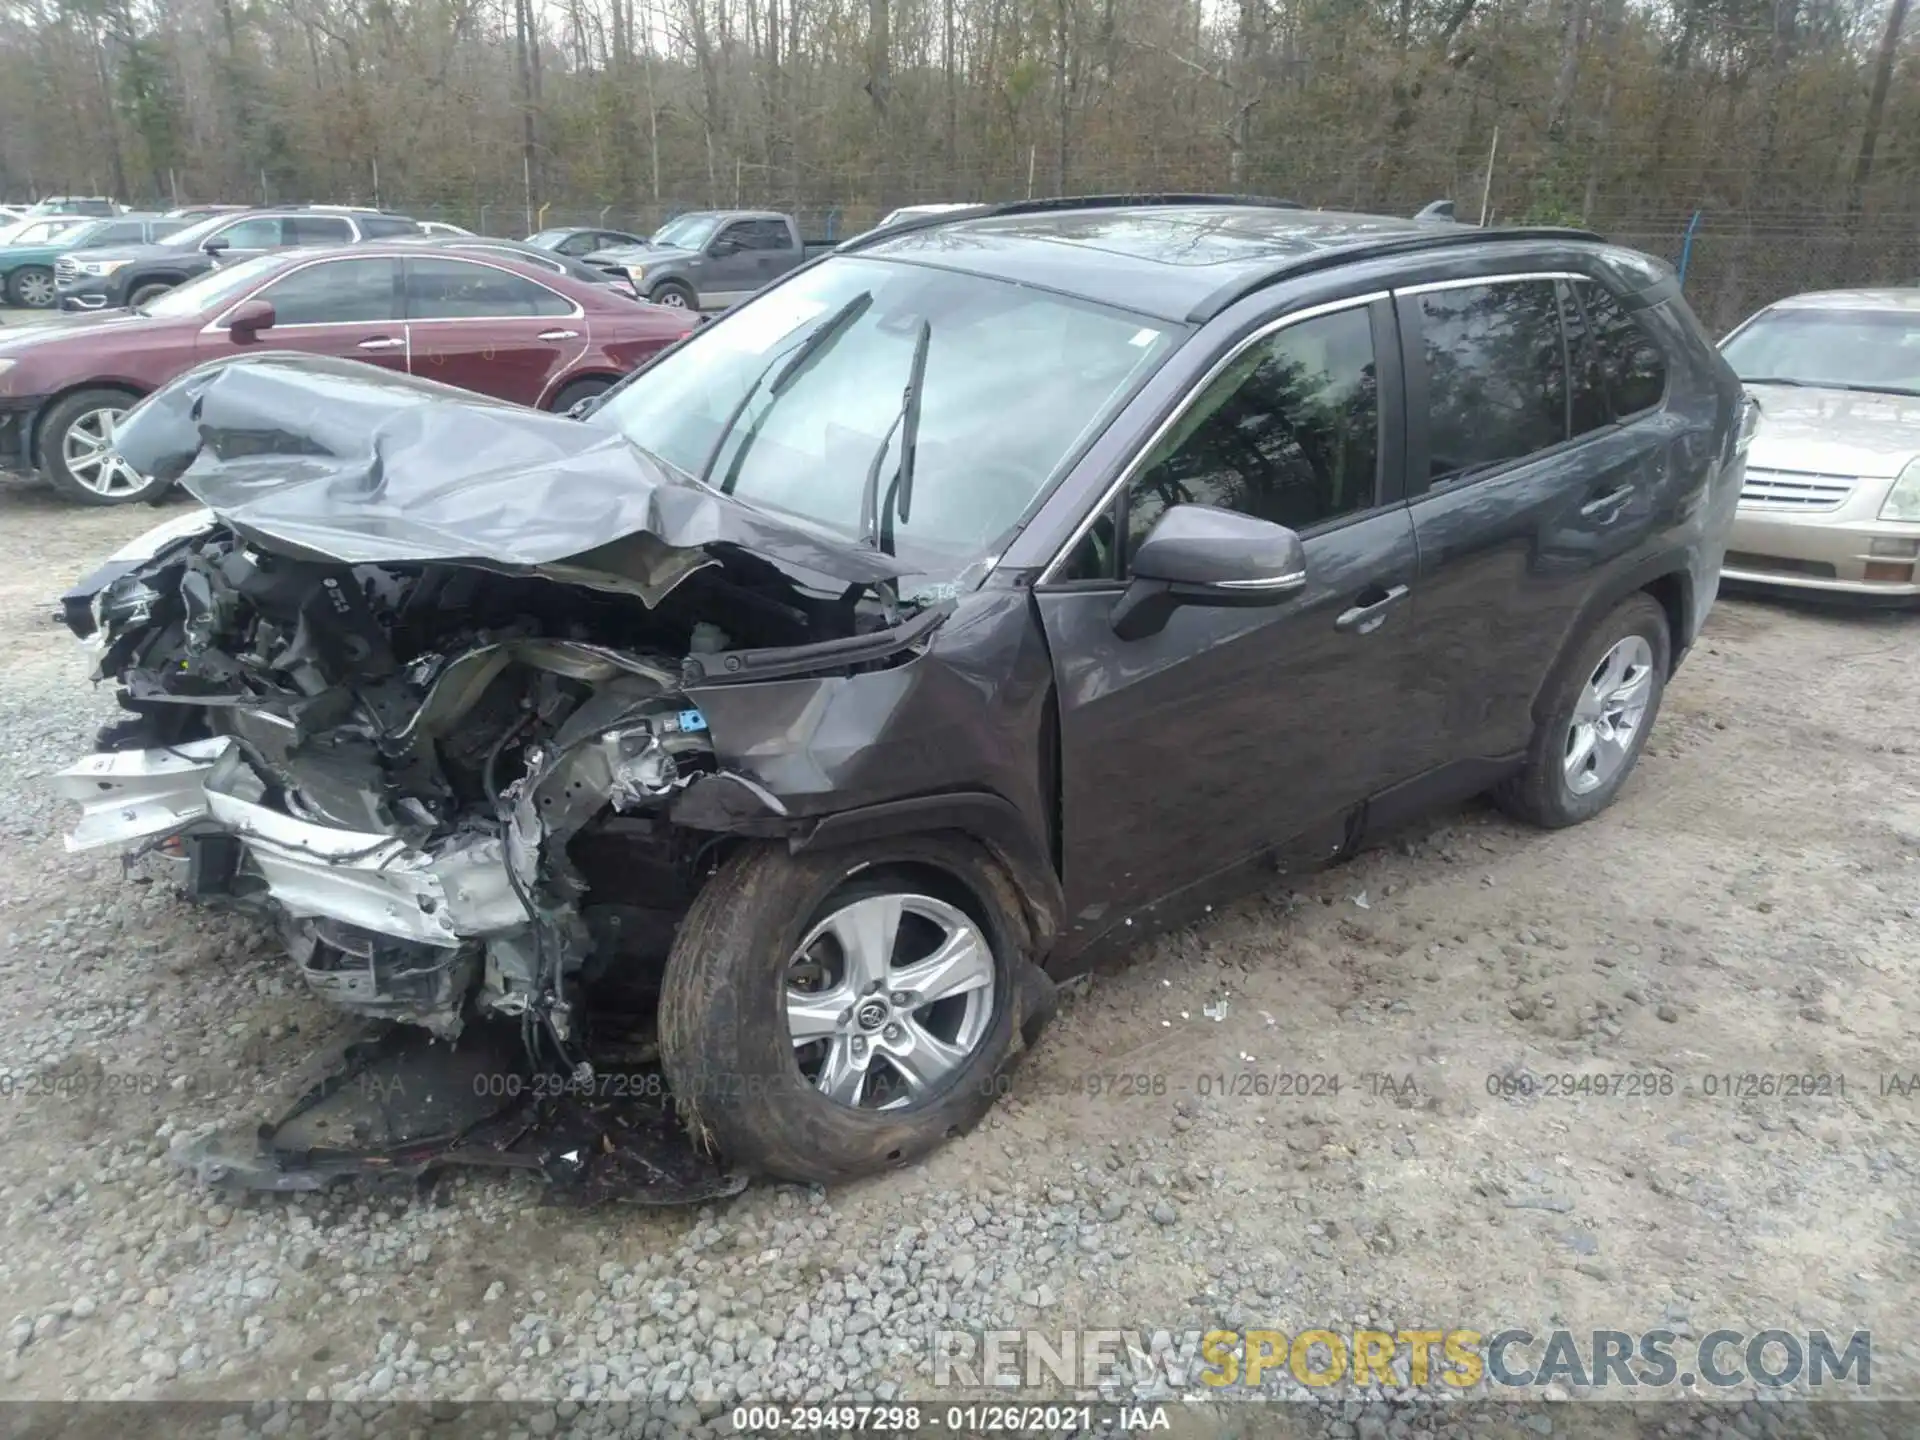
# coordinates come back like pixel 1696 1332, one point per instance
pixel 76 453
pixel 1601 705
pixel 675 295
pixel 576 392
pixel 32 287
pixel 757 967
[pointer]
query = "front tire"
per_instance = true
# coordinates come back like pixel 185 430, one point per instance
pixel 1603 702
pixel 76 451
pixel 141 294
pixel 32 286
pixel 826 1016
pixel 674 295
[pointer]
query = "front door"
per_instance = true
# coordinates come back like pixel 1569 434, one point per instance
pixel 346 307
pixel 481 327
pixel 1234 733
pixel 245 238
pixel 732 270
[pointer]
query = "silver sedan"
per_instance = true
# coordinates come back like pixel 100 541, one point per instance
pixel 1831 502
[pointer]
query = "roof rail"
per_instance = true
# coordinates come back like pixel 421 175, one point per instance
pixel 1115 202
pixel 1374 249
pixel 1049 204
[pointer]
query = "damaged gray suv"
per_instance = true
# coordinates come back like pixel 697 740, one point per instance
pixel 980 599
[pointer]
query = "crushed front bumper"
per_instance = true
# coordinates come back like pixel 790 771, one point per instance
pixel 446 895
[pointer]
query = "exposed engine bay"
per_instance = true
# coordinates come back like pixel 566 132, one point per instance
pixel 448 781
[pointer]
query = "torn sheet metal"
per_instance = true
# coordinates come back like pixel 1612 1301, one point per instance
pixel 373 880
pixel 129 796
pixel 399 1105
pixel 337 459
pixel 458 888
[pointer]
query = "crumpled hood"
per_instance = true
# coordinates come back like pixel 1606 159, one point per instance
pixel 1834 432
pixel 340 460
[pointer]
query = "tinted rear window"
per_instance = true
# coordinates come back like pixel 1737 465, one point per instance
pixel 1496 381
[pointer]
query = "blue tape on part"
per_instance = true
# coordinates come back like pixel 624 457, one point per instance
pixel 692 720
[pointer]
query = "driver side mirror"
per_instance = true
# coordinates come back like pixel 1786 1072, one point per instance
pixel 725 245
pixel 249 318
pixel 213 245
pixel 1198 555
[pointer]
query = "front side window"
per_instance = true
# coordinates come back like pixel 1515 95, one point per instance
pixel 1496 375
pixel 792 401
pixel 335 292
pixel 1630 360
pixel 460 290
pixel 256 234
pixel 585 243
pixel 1289 432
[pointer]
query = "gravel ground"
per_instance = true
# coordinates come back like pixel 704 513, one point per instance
pixel 1750 905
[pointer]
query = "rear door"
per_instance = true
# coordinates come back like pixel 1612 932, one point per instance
pixel 482 327
pixel 335 306
pixel 1525 489
pixel 1236 732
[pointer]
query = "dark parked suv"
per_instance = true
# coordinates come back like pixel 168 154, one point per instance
pixel 980 598
pixel 132 275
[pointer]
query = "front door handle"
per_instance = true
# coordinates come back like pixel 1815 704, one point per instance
pixel 558 335
pixel 1613 500
pixel 382 342
pixel 1371 614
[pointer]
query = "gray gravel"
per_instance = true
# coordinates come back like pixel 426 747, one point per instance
pixel 1750 905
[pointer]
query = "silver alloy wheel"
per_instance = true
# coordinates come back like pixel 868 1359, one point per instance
pixel 35 289
pixel 887 998
pixel 1607 718
pixel 87 449
pixel 672 299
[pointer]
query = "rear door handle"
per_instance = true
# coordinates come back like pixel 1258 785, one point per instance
pixel 382 342
pixel 1612 500
pixel 558 335
pixel 1366 618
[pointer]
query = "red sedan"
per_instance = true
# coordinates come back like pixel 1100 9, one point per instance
pixel 489 323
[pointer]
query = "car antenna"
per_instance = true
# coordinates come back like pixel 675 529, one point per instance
pixel 1438 210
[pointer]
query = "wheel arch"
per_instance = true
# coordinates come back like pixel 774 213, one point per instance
pixel 566 382
pixel 1665 577
pixel 990 821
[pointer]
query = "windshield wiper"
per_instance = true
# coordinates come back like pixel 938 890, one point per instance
pixel 878 531
pixel 811 345
pixel 1775 380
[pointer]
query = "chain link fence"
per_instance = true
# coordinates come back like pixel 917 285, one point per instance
pixel 1731 264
